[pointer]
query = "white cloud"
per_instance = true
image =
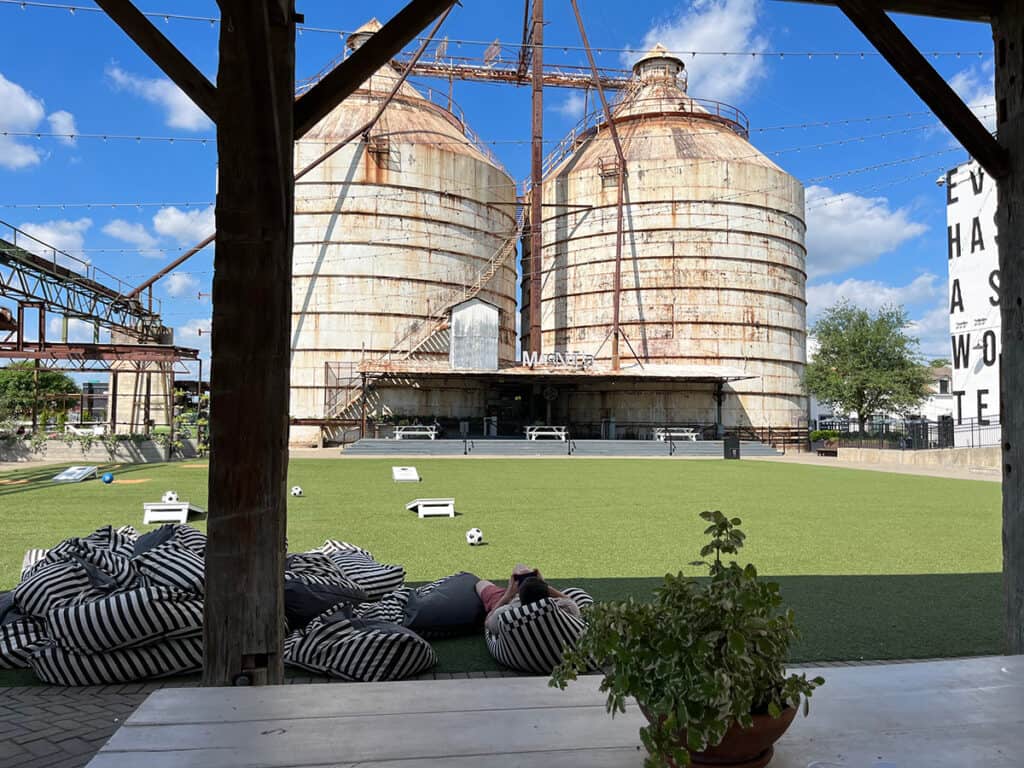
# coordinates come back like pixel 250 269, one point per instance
pixel 180 284
pixel 20 112
pixel 64 235
pixel 572 106
pixel 79 331
pixel 846 231
pixel 133 234
pixel 976 86
pixel 63 122
pixel 186 226
pixel 180 111
pixel 194 329
pixel 873 294
pixel 932 330
pixel 714 25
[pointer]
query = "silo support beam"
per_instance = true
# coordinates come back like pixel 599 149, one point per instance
pixel 536 175
pixel 163 53
pixel 928 84
pixel 620 190
pixel 341 81
pixel 1008 31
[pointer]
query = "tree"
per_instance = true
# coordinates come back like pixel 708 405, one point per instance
pixel 18 390
pixel 866 364
pixel 940 362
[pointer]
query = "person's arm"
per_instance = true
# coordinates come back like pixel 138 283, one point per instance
pixel 491 622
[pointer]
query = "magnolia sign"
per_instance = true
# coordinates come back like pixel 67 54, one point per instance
pixel 571 360
pixel 974 320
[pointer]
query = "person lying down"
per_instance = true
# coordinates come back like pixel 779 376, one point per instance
pixel 525 586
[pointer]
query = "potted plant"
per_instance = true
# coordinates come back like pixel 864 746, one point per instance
pixel 825 441
pixel 705 661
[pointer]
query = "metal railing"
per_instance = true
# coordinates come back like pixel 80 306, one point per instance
pixel 919 435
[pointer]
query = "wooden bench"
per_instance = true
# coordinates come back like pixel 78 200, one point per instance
pixel 558 433
pixel 418 430
pixel 662 434
pixel 169 512
pixel 432 507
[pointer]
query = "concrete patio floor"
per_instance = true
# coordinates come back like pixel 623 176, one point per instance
pixel 966 712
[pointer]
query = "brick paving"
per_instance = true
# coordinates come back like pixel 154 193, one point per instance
pixel 53 727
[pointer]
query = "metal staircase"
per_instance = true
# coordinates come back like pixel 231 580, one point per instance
pixel 429 334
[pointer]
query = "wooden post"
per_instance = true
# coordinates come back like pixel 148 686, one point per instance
pixel 1008 32
pixel 244 615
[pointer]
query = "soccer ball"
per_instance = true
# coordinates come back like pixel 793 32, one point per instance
pixel 296 491
pixel 474 536
pixel 107 478
pixel 170 497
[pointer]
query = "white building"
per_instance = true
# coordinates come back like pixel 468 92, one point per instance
pixel 974 320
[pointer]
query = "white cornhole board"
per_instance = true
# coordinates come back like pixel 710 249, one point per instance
pixel 405 475
pixel 432 507
pixel 168 512
pixel 75 474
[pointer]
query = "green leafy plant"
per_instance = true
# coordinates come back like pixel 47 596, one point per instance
pixel 703 655
pixel 824 434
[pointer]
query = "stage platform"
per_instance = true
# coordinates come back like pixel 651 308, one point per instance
pixel 512 447
pixel 945 714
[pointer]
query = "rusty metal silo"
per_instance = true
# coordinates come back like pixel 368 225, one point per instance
pixel 713 259
pixel 389 232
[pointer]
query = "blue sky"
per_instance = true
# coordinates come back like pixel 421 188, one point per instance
pixel 847 126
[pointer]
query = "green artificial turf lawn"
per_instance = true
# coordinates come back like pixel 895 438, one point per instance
pixel 876 565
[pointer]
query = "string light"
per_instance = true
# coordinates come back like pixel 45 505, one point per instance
pixel 343 33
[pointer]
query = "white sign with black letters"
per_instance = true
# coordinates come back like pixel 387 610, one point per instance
pixel 974 321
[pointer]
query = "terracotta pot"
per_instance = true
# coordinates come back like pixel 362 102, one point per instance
pixel 743 747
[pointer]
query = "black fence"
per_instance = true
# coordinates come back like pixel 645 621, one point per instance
pixel 919 434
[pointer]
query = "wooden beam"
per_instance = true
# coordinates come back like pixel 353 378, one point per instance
pixel 1008 31
pixel 964 10
pixel 163 53
pixel 345 78
pixel 244 616
pixel 928 84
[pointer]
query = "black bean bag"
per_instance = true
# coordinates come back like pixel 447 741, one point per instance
pixel 304 602
pixel 445 608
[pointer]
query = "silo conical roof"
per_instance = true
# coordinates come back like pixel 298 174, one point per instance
pixel 657 118
pixel 409 118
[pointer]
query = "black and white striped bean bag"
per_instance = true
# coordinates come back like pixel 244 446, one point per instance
pixel 317 568
pixel 18 633
pixel 531 638
pixel 390 608
pixel 53 583
pixel 377 579
pixel 60 666
pixel 172 565
pixel 340 645
pixel 126 619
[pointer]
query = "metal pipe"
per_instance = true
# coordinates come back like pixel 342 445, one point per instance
pixel 536 176
pixel 620 189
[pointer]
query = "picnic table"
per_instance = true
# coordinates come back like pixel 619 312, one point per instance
pixel 558 433
pixel 662 434
pixel 416 430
